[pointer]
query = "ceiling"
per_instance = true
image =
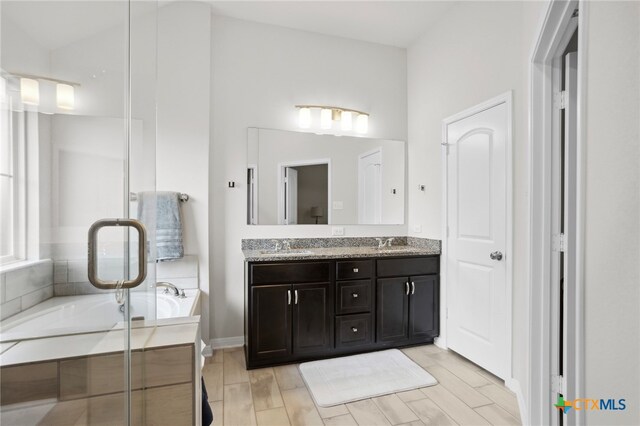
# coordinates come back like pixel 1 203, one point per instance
pixel 53 24
pixel 393 23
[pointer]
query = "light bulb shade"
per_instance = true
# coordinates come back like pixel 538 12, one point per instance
pixel 325 118
pixel 346 120
pixel 29 91
pixel 65 98
pixel 362 124
pixel 304 118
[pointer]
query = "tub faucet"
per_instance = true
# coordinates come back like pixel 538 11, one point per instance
pixel 176 291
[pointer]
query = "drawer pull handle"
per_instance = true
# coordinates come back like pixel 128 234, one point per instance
pixel 354 329
pixel 355 295
pixel 355 270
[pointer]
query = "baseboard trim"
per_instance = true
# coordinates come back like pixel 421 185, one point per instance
pixel 514 386
pixel 227 342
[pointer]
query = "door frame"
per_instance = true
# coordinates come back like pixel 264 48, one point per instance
pixel 297 163
pixel 504 98
pixel 360 157
pixel 544 76
pixel 253 205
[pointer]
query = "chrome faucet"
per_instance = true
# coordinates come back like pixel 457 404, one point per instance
pixel 176 291
pixel 286 245
pixel 386 243
pixel 277 246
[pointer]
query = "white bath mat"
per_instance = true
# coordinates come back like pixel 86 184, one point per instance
pixel 352 378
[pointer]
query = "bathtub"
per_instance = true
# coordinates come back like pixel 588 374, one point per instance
pixel 96 312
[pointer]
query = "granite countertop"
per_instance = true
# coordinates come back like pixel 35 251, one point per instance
pixel 337 253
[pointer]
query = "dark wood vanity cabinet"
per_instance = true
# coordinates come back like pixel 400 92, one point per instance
pixel 407 309
pixel 302 310
pixel 312 315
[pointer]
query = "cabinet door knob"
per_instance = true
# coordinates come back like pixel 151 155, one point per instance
pixel 354 329
pixel 355 295
pixel 355 269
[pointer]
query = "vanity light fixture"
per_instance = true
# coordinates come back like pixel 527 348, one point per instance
pixel 329 114
pixel 30 91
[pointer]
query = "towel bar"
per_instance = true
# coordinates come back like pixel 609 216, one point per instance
pixel 183 197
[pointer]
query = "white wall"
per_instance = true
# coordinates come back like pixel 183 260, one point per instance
pixel 475 52
pixel 183 97
pixel 259 72
pixel 612 246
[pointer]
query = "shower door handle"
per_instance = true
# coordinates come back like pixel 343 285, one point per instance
pixel 93 254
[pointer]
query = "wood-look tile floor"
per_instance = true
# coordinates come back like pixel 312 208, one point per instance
pixel 465 395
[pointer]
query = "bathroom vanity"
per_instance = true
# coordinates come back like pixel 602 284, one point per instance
pixel 338 301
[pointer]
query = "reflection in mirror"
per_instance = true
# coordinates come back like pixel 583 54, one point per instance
pixel 296 178
pixel 77 134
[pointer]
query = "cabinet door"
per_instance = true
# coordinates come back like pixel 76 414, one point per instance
pixel 312 318
pixel 392 313
pixel 423 307
pixel 271 321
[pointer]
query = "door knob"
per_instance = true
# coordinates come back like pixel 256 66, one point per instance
pixel 496 255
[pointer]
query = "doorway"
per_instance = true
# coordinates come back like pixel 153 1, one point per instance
pixel 477 247
pixel 557 327
pixel 304 191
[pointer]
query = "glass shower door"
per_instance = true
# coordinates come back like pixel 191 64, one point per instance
pixel 78 138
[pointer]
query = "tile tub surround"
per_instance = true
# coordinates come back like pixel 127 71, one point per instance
pixel 343 248
pixel 70 276
pixel 24 287
pixel 85 387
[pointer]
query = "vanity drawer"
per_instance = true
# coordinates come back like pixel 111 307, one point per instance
pixel 281 273
pixel 354 269
pixel 408 266
pixel 353 330
pixel 354 297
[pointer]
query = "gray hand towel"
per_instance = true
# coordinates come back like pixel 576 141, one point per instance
pixel 161 211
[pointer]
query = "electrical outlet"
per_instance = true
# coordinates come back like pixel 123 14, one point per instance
pixel 417 228
pixel 337 231
pixel 337 205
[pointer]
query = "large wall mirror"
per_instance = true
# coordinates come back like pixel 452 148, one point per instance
pixel 296 178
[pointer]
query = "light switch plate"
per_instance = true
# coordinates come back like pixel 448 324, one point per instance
pixel 337 205
pixel 337 231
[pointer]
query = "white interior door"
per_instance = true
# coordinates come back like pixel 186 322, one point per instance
pixel 291 196
pixel 370 188
pixel 477 237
